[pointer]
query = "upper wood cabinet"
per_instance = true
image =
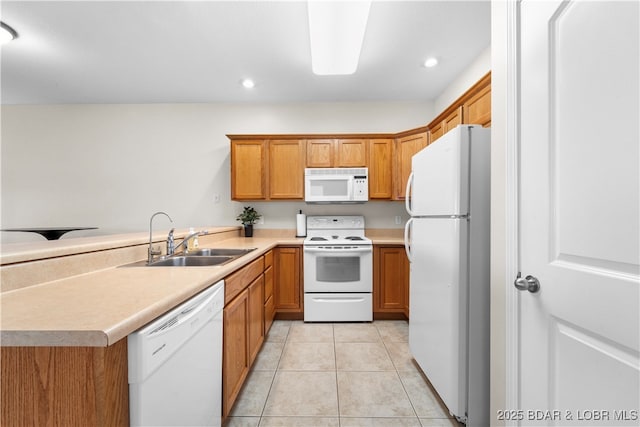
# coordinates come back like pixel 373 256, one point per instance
pixel 473 107
pixel 248 169
pixel 351 153
pixel 271 167
pixel 380 168
pixel 477 110
pixel 264 169
pixel 337 153
pixel 286 169
pixel 406 147
pixel 449 122
pixel 320 153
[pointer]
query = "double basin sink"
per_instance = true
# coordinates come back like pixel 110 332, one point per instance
pixel 206 257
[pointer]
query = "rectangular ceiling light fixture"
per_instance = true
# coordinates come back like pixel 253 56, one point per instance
pixel 336 30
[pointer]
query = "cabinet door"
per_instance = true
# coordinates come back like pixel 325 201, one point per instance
pixel 452 120
pixel 248 169
pixel 269 307
pixel 406 147
pixel 287 286
pixel 320 153
pixel 391 279
pixel 256 317
pixel 351 153
pixel 477 110
pixel 286 169
pixel 235 362
pixel 436 132
pixel 380 168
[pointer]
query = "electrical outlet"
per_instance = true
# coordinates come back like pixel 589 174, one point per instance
pixel 398 219
pixel 216 198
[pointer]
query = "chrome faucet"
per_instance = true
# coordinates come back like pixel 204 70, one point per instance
pixel 171 249
pixel 152 251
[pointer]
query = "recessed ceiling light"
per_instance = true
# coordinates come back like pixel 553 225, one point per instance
pixel 248 83
pixel 430 62
pixel 7 33
pixel 336 32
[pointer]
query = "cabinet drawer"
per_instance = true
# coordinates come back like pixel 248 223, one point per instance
pixel 236 282
pixel 268 283
pixel 268 259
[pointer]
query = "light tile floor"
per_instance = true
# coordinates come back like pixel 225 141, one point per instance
pixel 342 375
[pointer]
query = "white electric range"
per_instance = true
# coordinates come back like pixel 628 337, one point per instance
pixel 338 270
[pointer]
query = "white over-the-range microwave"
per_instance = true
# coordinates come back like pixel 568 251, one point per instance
pixel 336 185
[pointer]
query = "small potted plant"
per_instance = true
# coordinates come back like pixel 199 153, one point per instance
pixel 248 217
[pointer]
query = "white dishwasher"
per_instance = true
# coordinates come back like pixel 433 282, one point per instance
pixel 175 365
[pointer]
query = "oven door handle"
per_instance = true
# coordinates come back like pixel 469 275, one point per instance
pixel 329 251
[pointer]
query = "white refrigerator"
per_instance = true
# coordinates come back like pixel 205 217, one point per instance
pixel 447 242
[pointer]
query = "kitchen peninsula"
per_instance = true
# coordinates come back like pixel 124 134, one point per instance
pixel 68 305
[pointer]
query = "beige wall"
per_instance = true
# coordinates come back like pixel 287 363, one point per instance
pixel 112 166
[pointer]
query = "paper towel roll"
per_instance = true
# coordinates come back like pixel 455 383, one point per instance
pixel 301 225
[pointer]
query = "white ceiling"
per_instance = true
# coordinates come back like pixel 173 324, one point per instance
pixel 198 51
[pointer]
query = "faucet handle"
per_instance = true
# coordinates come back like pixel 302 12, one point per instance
pixel 171 244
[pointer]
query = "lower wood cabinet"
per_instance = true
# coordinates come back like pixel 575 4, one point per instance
pixel 65 386
pixel 235 355
pixel 287 280
pixel 269 305
pixel 390 282
pixel 243 328
pixel 256 317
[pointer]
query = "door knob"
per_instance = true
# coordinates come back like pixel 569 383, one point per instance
pixel 528 283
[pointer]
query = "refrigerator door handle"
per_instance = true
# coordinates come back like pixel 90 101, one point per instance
pixel 407 196
pixel 407 239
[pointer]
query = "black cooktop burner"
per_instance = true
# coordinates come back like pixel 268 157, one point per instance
pixel 318 239
pixel 354 238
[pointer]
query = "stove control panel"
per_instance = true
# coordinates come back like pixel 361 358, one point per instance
pixel 343 222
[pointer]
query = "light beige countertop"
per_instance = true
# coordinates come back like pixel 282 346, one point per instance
pixel 99 308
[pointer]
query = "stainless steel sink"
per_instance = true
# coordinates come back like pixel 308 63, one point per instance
pixel 191 261
pixel 219 252
pixel 205 257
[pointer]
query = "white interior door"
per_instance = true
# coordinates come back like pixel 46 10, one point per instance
pixel 579 213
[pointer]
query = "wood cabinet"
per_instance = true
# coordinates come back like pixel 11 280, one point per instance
pixel 287 279
pixel 390 281
pixel 286 169
pixel 337 153
pixel 381 168
pixel 243 332
pixel 263 169
pixel 235 356
pixel 271 167
pixel 66 386
pixel 351 153
pixel 269 305
pixel 320 153
pixel 256 317
pixel 406 147
pixel 453 119
pixel 477 110
pixel 248 169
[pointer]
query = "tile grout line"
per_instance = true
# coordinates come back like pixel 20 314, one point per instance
pixel 384 343
pixel 264 406
pixel 335 360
